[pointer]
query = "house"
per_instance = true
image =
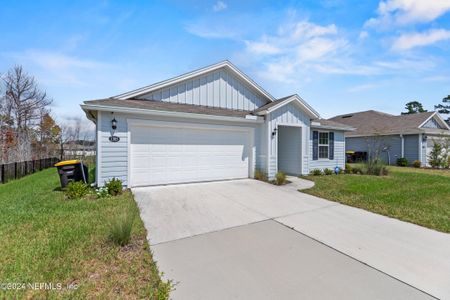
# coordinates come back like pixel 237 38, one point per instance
pixel 213 123
pixel 410 136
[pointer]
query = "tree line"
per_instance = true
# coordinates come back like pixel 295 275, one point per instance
pixel 414 107
pixel 28 130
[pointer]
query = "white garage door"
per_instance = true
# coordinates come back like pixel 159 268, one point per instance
pixel 181 153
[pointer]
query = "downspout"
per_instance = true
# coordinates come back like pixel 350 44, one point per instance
pixel 403 145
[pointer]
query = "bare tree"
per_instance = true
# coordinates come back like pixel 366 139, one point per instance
pixel 21 105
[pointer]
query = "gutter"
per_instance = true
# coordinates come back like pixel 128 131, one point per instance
pixel 251 119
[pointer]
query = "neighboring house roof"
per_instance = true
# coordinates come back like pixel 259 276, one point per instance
pixel 328 124
pixel 371 122
pixel 286 100
pixel 223 64
pixel 167 106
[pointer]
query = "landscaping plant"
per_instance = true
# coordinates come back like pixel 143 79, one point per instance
pixel 76 190
pixel 417 163
pixel 316 172
pixel 402 162
pixel 375 167
pixel 114 187
pixel 121 226
pixel 260 175
pixel 348 169
pixel 280 178
pixel 102 192
pixel 327 171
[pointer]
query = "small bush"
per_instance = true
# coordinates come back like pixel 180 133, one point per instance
pixel 114 186
pixel 76 190
pixel 280 178
pixel 417 164
pixel 327 171
pixel 402 162
pixel 375 167
pixel 102 192
pixel 316 172
pixel 121 226
pixel 356 170
pixel 348 169
pixel 260 175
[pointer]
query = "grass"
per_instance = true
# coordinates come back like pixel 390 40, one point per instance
pixel 47 239
pixel 419 196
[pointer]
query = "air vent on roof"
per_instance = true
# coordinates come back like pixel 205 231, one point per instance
pixel 347 116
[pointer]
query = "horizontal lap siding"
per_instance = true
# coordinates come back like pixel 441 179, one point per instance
pixel 339 154
pixel 377 143
pixel 285 115
pixel 114 156
pixel 215 89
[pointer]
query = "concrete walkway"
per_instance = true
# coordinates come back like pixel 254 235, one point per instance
pixel 187 230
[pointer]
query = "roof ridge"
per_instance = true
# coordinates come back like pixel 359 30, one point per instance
pixel 364 111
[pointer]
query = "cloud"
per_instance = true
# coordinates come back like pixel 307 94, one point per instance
pixel 362 87
pixel 219 6
pixel 404 12
pixel 413 40
pixel 363 35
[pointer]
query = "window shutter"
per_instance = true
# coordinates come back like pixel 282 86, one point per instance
pixel 315 145
pixel 331 145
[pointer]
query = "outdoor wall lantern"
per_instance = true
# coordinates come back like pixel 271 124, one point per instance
pixel 424 138
pixel 274 132
pixel 114 124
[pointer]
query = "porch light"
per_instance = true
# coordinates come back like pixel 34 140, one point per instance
pixel 114 124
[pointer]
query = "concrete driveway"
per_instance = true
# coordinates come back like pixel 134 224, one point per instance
pixel 246 239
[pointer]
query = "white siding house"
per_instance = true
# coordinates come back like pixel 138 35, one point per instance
pixel 210 124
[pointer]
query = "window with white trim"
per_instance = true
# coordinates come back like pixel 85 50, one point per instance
pixel 324 141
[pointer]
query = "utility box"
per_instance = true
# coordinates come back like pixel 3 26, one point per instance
pixel 72 170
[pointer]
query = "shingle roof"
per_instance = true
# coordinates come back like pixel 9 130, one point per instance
pixel 167 106
pixel 331 124
pixel 273 103
pixel 373 122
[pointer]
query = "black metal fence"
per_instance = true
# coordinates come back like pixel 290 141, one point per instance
pixel 20 169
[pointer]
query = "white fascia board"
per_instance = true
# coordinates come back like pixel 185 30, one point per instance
pixel 305 107
pixel 186 76
pixel 87 107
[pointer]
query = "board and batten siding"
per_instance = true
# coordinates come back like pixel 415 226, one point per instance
pixel 215 89
pixel 411 142
pixel 113 157
pixel 285 115
pixel 339 152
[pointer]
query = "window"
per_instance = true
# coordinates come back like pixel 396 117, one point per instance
pixel 323 144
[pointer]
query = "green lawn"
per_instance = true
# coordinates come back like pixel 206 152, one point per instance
pixel 47 239
pixel 414 195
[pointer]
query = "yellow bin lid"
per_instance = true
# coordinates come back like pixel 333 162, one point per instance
pixel 350 152
pixel 67 162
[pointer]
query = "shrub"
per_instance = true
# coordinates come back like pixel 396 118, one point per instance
pixel 356 170
pixel 417 163
pixel 348 169
pixel 121 226
pixel 76 190
pixel 280 178
pixel 114 186
pixel 402 162
pixel 102 192
pixel 438 156
pixel 316 172
pixel 327 171
pixel 260 175
pixel 375 167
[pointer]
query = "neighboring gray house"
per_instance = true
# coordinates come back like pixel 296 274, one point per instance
pixel 410 136
pixel 214 123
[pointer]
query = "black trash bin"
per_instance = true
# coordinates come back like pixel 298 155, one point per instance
pixel 72 170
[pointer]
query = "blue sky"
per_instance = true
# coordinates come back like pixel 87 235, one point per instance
pixel 340 56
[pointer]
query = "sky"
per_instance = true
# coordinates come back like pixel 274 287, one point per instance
pixel 340 56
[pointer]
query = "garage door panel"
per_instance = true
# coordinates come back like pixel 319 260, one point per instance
pixel 163 155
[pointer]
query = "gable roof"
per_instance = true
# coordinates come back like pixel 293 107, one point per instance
pixel 269 107
pixel 328 124
pixel 223 64
pixel 373 122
